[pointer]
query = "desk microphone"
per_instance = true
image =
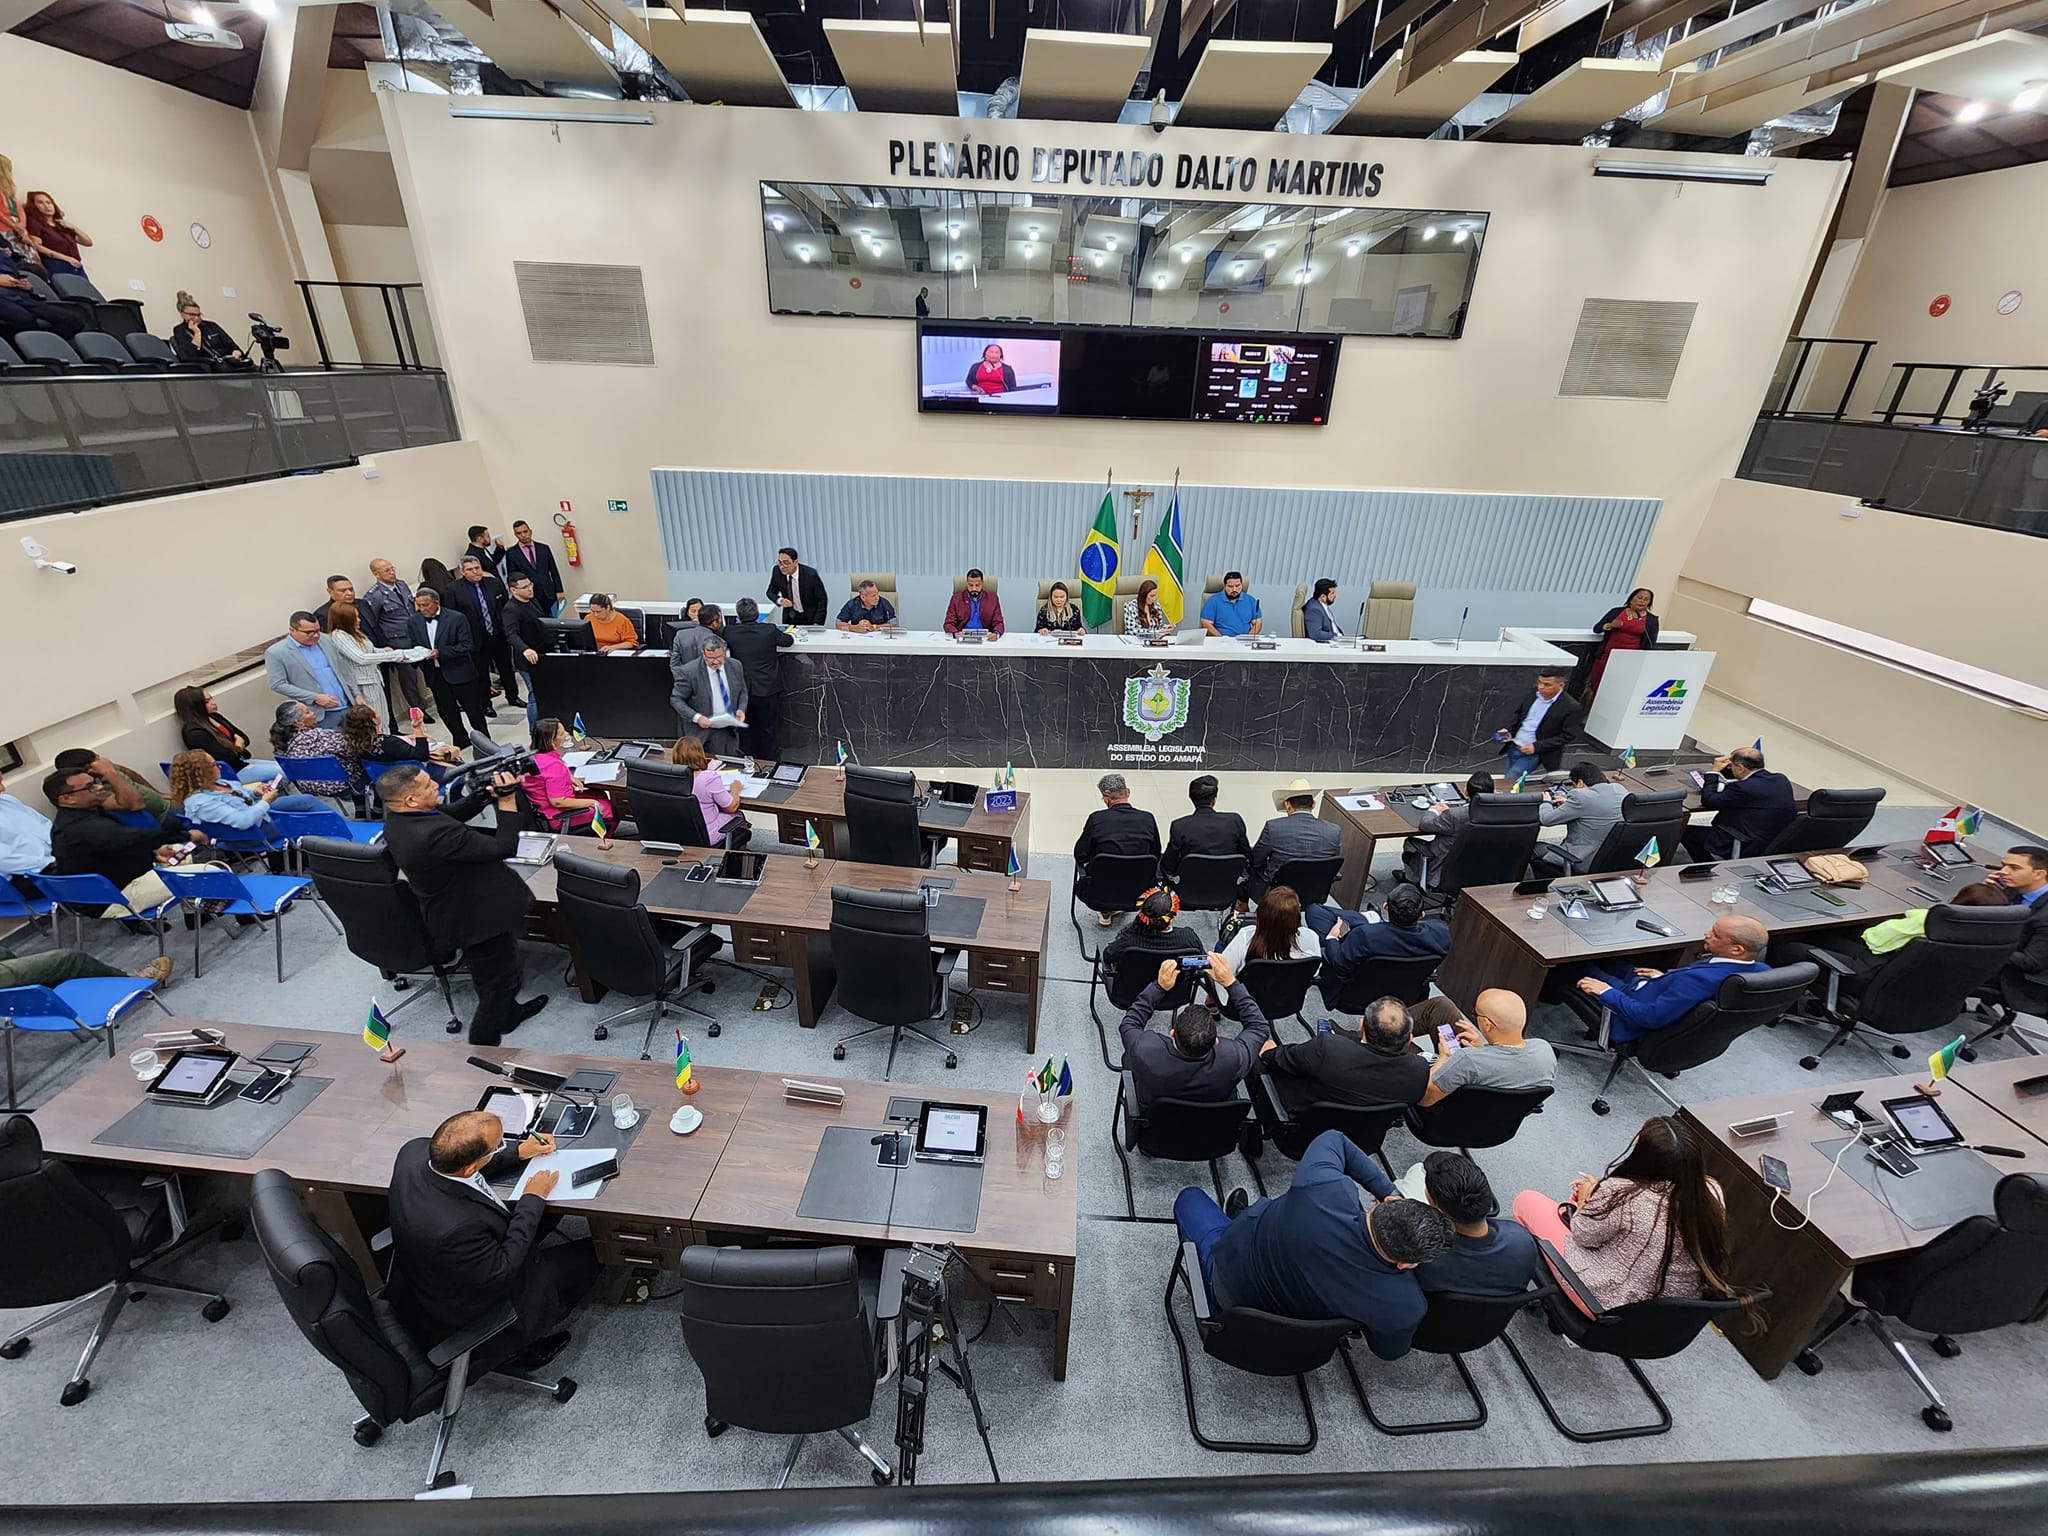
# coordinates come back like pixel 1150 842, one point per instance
pixel 492 1067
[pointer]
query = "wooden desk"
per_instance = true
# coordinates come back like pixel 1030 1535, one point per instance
pixel 1991 1083
pixel 1024 1245
pixel 1495 943
pixel 1806 1269
pixel 1663 776
pixel 787 921
pixel 345 1142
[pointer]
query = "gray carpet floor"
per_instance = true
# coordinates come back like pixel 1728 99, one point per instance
pixel 243 1409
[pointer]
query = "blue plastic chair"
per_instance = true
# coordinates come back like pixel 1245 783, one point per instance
pixel 264 897
pixel 34 908
pixel 253 842
pixel 321 770
pixel 89 1005
pixel 86 896
pixel 297 824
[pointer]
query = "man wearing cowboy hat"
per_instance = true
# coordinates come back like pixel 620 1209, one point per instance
pixel 1297 833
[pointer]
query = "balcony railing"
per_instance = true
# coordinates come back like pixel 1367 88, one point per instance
pixel 83 440
pixel 1815 377
pixel 369 325
pixel 1990 479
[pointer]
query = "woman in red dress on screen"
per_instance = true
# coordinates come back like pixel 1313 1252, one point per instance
pixel 1631 627
pixel 992 376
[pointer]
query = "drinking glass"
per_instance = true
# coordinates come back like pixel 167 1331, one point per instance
pixel 146 1064
pixel 1055 1151
pixel 624 1115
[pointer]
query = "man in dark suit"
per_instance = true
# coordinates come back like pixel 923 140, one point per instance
pixel 1750 803
pixel 522 614
pixel 1336 1066
pixel 1190 1061
pixel 471 899
pixel 453 672
pixel 1119 827
pixel 1350 939
pixel 797 590
pixel 487 549
pixel 1205 829
pixel 536 560
pixel 758 648
pixel 706 688
pixel 2023 875
pixel 1296 833
pixel 1548 721
pixel 462 1250
pixel 341 590
pixel 480 596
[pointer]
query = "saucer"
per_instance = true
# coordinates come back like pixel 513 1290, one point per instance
pixel 686 1120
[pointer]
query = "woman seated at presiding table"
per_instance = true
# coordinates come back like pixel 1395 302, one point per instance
pixel 207 801
pixel 719 800
pixel 1059 614
pixel 1142 614
pixel 370 745
pixel 205 729
pixel 1653 1225
pixel 611 629
pixel 561 799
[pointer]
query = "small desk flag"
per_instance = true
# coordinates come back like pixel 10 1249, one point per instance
pixel 376 1028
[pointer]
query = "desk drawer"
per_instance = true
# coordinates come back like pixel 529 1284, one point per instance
pixel 637 1244
pixel 985 854
pixel 757 946
pixel 789 828
pixel 997 971
pixel 1029 1282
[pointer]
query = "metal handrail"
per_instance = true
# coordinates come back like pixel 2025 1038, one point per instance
pixel 405 344
pixel 1806 345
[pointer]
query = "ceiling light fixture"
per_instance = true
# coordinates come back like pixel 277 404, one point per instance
pixel 264 8
pixel 1098 258
pixel 1029 248
pixel 201 16
pixel 959 261
pixel 954 227
pixel 1158 279
pixel 776 221
pixel 1270 249
pixel 2031 95
pixel 803 253
pixel 1187 253
pixel 1353 248
pixel 1972 112
pixel 1460 237
pixel 1034 231
pixel 1110 241
pixel 1429 231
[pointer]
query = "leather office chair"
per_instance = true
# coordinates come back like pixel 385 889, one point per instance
pixel 1280 987
pixel 1833 818
pixel 1984 1272
pixel 1299 629
pixel 1261 1343
pixel 881 819
pixel 1365 1126
pixel 1658 814
pixel 989 583
pixel 1493 848
pixel 1475 1117
pixel 392 1377
pixel 617 946
pixel 664 808
pixel 1454 1325
pixel 1109 882
pixel 885 583
pixel 380 917
pixel 1124 982
pixel 1310 879
pixel 1744 1001
pixel 1406 978
pixel 1390 610
pixel 79 1237
pixel 637 617
pixel 783 1341
pixel 1642 1330
pixel 1209 882
pixel 1176 1131
pixel 889 972
pixel 1919 986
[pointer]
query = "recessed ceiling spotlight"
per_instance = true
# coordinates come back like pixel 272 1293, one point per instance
pixel 1972 111
pixel 1459 237
pixel 2031 95
pixel 1110 241
pixel 1429 231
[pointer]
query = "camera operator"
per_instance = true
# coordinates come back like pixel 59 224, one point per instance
pixel 470 898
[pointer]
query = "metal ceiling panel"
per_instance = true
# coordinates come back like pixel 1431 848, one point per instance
pixel 895 66
pixel 1585 95
pixel 1248 85
pixel 1083 77
pixel 719 56
pixel 1426 104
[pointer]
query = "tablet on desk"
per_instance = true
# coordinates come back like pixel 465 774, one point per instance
pixel 1789 873
pixel 534 848
pixel 952 792
pixel 952 1133
pixel 741 868
pixel 1922 1123
pixel 193 1076
pixel 787 773
pixel 516 1108
pixel 1617 895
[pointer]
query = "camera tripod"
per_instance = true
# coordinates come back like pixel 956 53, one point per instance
pixel 928 1305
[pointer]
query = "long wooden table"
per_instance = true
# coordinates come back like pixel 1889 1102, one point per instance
pixel 1495 943
pixel 741 1171
pixel 787 921
pixel 1807 1268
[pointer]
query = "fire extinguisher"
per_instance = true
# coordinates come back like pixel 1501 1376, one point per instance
pixel 568 539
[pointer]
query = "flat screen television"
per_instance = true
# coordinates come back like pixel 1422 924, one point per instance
pixel 988 371
pixel 1286 380
pixel 1140 375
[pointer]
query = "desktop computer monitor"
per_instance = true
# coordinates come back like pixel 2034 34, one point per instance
pixel 568 635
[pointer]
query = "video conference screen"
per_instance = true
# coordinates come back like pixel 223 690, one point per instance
pixel 1253 379
pixel 1130 374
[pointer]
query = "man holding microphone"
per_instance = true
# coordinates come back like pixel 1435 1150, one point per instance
pixel 470 898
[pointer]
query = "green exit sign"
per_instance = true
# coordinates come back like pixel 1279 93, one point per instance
pixel 615 506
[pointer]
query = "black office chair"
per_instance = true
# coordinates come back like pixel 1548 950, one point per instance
pixel 1406 978
pixel 1280 987
pixel 664 808
pixel 617 946
pixel 783 1341
pixel 1646 814
pixel 1109 882
pixel 1475 1117
pixel 1919 986
pixel 1453 1325
pixel 637 617
pixel 2005 997
pixel 1833 818
pixel 1209 882
pixel 889 972
pixel 1642 1330
pixel 1124 982
pixel 1310 879
pixel 1984 1272
pixel 1744 1001
pixel 360 1334
pixel 881 819
pixel 1493 848
pixel 1261 1343
pixel 380 917
pixel 1175 1131
pixel 80 1236
pixel 1365 1126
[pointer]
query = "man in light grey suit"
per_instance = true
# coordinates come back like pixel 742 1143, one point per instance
pixel 1422 857
pixel 1589 806
pixel 1298 833
pixel 688 644
pixel 711 685
pixel 303 666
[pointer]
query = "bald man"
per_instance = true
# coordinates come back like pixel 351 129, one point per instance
pixel 462 1249
pixel 1492 1049
pixel 1643 1000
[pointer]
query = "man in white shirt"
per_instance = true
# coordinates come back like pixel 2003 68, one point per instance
pixel 24 837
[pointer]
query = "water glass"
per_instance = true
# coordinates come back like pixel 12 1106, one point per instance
pixel 1538 912
pixel 1055 1151
pixel 624 1115
pixel 146 1064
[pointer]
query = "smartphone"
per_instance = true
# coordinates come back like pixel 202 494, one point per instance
pixel 2031 1087
pixel 265 1088
pixel 1829 897
pixel 1776 1174
pixel 1651 925
pixel 1448 1034
pixel 595 1173
pixel 697 874
pixel 1193 962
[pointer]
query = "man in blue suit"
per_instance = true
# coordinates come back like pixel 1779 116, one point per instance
pixel 1646 1000
pixel 1318 614
pixel 1751 805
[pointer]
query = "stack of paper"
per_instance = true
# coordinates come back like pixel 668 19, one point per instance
pixel 602 773
pixel 1362 802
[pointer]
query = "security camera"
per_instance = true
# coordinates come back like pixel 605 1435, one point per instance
pixel 1160 117
pixel 43 562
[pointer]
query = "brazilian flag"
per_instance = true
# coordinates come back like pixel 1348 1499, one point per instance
pixel 1099 561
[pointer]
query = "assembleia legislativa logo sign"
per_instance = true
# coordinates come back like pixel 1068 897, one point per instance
pixel 1667 698
pixel 1155 705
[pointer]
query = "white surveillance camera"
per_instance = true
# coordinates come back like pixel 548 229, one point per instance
pixel 43 562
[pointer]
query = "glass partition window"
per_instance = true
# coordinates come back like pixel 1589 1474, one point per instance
pixel 906 252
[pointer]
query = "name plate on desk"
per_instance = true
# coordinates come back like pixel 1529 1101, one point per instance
pixel 994 800
pixel 1159 640
pixel 1265 645
pixel 973 636
pixel 1068 639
